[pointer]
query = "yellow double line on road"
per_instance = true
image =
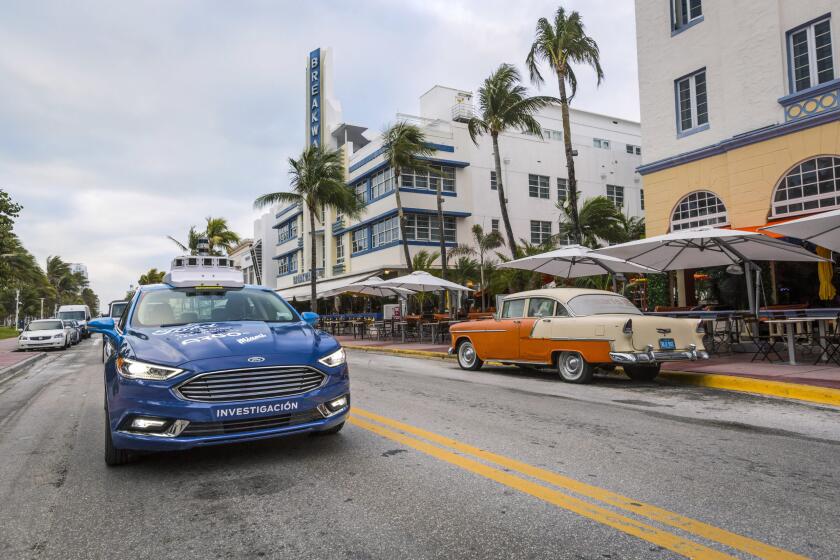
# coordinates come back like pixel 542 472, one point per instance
pixel 381 425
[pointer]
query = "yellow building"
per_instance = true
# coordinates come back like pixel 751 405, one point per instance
pixel 740 113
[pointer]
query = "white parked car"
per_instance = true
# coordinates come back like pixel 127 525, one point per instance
pixel 80 313
pixel 44 333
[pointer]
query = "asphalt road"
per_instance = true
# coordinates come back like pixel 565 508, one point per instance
pixel 437 463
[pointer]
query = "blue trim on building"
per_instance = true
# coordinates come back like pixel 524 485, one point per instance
pixel 440 147
pixel 745 139
pixel 379 151
pixel 393 212
pixel 685 27
pixel 286 254
pixel 284 210
pixel 426 191
pixel 694 130
pixel 279 225
pixel 810 92
pixel 382 165
pixel 397 243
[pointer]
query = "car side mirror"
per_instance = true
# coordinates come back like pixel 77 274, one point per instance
pixel 311 318
pixel 105 325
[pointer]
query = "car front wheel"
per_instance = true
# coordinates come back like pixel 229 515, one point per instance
pixel 574 369
pixel 467 357
pixel 642 373
pixel 114 457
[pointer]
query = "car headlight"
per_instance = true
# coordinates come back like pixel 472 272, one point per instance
pixel 335 359
pixel 141 370
pixel 59 336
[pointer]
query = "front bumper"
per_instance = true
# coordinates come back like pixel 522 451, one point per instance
pixel 35 344
pixel 654 357
pixel 195 424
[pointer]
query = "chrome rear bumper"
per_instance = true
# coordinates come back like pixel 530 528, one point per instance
pixel 651 357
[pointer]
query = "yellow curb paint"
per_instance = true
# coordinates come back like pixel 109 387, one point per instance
pixel 795 391
pixel 596 513
pixel 654 513
pixel 807 393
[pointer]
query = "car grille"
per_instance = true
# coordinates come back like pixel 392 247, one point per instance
pixel 249 425
pixel 251 384
pixel 39 337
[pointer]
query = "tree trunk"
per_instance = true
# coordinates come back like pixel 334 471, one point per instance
pixel 443 263
pixel 570 161
pixel 313 269
pixel 501 191
pixel 483 287
pixel 401 217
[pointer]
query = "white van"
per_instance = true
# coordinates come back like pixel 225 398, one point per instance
pixel 80 313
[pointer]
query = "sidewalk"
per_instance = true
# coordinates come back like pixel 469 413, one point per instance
pixel 820 383
pixel 10 360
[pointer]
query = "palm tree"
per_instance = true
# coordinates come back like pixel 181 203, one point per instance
pixel 404 145
pixel 504 104
pixel 598 220
pixel 219 235
pixel 317 180
pixel 191 246
pixel 560 44
pixel 632 228
pixel 153 276
pixel 512 280
pixel 483 243
pixel 424 260
pixel 465 270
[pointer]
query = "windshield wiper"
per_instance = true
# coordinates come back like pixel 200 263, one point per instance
pixel 172 325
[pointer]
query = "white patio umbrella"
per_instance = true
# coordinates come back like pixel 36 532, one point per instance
pixel 704 247
pixel 575 261
pixel 369 287
pixel 822 229
pixel 422 281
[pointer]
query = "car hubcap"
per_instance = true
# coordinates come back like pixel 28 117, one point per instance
pixel 572 364
pixel 467 354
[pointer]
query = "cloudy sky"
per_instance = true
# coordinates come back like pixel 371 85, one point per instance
pixel 124 122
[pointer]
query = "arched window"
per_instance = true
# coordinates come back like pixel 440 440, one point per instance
pixel 701 208
pixel 812 185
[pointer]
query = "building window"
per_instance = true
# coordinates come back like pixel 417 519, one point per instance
pixel 702 208
pixel 809 55
pixel 493 185
pixel 381 183
pixel 631 149
pixel 692 108
pixel 551 134
pixel 424 180
pixel 540 232
pixel 287 264
pixel 641 199
pixel 812 185
pixel 494 225
pixel 684 12
pixel 361 191
pixel 339 249
pixel 601 143
pixel 287 231
pixel 384 232
pixel 424 227
pixel 616 195
pixel 282 266
pixel 538 186
pixel 562 189
pixel 360 240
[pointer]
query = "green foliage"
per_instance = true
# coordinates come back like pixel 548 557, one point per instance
pixel 8 332
pixel 153 276
pixel 599 220
pixel 424 260
pixel 219 236
pixel 91 300
pixel 657 290
pixel 512 280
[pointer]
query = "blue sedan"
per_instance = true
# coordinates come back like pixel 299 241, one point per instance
pixel 199 365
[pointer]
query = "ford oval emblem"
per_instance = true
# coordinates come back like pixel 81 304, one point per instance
pixel 256 359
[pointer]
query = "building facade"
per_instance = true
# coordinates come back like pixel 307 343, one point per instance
pixel 739 111
pixel 79 268
pixel 534 175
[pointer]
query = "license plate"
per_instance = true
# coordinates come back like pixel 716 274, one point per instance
pixel 667 344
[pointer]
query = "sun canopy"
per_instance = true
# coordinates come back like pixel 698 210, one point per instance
pixel 421 281
pixel 822 229
pixel 575 261
pixel 369 287
pixel 703 247
pixel 302 292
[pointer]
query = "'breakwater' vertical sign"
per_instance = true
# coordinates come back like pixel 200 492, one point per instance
pixel 315 97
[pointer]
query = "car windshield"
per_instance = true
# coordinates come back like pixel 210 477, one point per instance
pixel 45 326
pixel 602 304
pixel 172 306
pixel 80 315
pixel 117 309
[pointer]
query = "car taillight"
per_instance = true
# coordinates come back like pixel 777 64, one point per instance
pixel 628 327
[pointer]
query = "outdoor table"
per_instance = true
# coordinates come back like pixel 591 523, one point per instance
pixel 402 325
pixel 432 327
pixel 790 323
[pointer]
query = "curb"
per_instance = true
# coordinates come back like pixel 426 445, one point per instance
pixel 792 391
pixel 8 373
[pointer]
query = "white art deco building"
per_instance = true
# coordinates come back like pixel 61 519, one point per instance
pixel 534 174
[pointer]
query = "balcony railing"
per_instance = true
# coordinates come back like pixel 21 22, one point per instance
pixel 338 268
pixel 462 112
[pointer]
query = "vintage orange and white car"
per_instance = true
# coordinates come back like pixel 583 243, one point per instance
pixel 576 331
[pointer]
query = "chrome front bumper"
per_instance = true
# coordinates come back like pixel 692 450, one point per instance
pixel 651 357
